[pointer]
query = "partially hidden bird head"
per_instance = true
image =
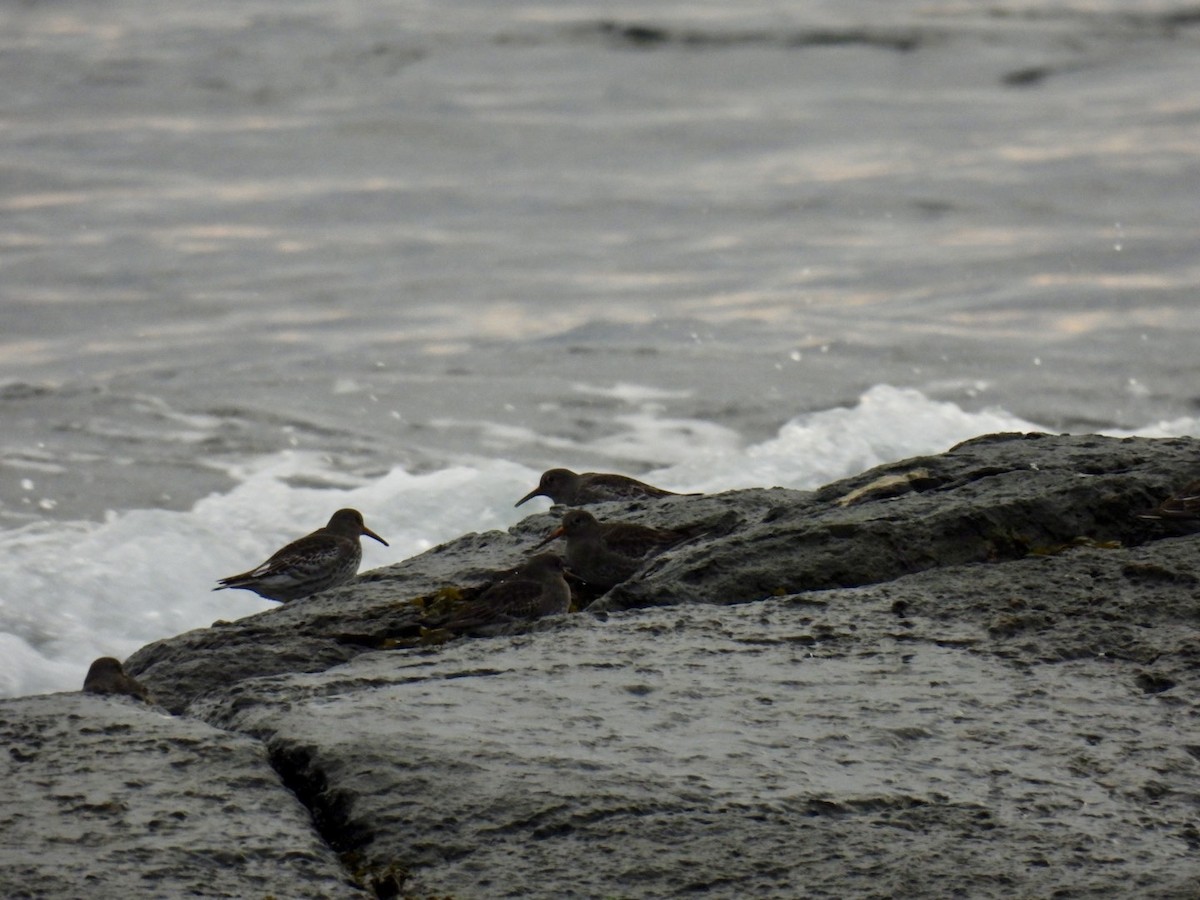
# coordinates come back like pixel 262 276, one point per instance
pixel 578 523
pixel 543 565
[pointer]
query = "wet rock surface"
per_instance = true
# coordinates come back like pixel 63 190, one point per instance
pixel 971 674
pixel 107 797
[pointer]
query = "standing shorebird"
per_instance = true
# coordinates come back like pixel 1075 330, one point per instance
pixel 535 589
pixel 107 676
pixel 316 562
pixel 574 489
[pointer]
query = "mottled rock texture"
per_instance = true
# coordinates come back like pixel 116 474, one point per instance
pixel 107 797
pixel 972 674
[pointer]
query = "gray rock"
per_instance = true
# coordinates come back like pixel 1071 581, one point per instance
pixel 995 498
pixel 991 499
pixel 106 797
pixel 802 746
pixel 972 674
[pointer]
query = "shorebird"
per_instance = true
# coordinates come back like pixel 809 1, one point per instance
pixel 316 562
pixel 107 676
pixel 632 539
pixel 589 556
pixel 574 489
pixel 1184 504
pixel 536 588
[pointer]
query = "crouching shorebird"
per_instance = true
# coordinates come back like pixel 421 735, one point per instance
pixel 107 676
pixel 590 556
pixel 1182 506
pixel 575 489
pixel 634 539
pixel 535 589
pixel 316 562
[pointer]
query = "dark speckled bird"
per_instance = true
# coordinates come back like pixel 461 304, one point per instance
pixel 316 562
pixel 589 557
pixel 575 489
pixel 1183 505
pixel 534 589
pixel 107 676
pixel 639 541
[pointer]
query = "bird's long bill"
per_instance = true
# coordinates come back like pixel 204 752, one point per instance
pixel 556 533
pixel 369 533
pixel 537 490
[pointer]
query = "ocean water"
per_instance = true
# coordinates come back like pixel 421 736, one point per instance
pixel 262 260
